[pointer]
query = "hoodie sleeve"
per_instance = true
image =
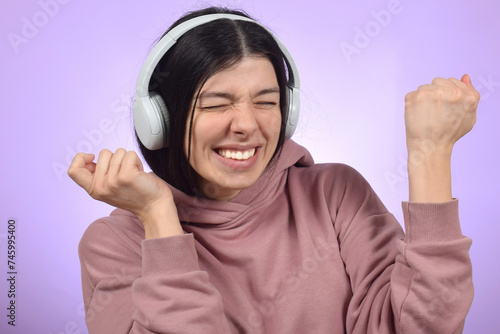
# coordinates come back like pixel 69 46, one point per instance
pixel 418 282
pixel 156 287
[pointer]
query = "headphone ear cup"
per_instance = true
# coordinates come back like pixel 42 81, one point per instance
pixel 293 96
pixel 161 109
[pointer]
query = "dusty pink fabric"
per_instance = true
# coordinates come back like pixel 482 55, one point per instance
pixel 309 248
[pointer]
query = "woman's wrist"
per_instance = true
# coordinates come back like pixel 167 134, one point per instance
pixel 161 220
pixel 429 174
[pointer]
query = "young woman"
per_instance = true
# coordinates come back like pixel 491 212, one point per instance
pixel 238 231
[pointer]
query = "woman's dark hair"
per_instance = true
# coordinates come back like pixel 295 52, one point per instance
pixel 199 54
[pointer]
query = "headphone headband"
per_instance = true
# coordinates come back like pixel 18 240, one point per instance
pixel 150 122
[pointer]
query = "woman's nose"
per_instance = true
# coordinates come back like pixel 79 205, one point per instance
pixel 243 121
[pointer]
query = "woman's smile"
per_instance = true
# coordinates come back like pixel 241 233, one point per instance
pixel 236 154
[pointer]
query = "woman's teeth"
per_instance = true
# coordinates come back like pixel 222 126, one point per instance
pixel 236 155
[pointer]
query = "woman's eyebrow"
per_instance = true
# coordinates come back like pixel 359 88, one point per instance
pixel 268 91
pixel 209 94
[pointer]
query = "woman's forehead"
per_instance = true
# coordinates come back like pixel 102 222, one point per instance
pixel 253 73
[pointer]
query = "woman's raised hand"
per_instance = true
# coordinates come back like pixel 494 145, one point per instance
pixel 436 116
pixel 440 113
pixel 119 180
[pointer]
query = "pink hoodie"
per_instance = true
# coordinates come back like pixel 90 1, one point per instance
pixel 309 248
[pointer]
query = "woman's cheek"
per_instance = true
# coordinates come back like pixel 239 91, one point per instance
pixel 272 122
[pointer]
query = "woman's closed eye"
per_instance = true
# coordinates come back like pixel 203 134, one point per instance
pixel 266 104
pixel 215 107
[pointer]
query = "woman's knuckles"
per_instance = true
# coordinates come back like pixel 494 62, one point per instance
pixel 473 98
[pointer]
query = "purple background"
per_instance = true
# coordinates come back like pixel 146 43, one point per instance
pixel 68 70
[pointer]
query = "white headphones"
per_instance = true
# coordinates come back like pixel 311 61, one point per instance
pixel 151 120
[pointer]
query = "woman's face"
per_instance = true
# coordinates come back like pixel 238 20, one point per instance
pixel 236 127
